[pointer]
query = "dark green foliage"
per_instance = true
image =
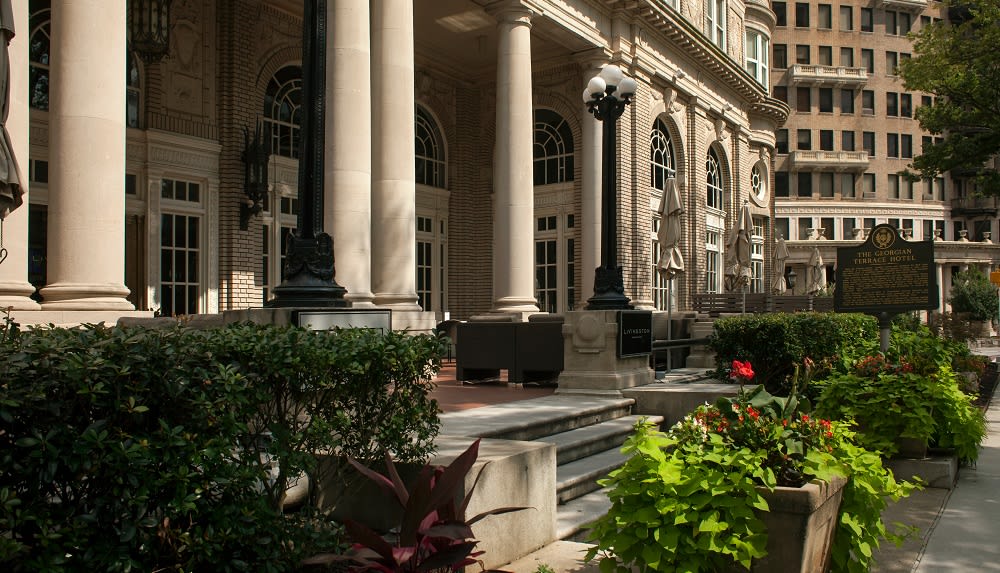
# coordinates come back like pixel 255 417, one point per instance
pixel 973 293
pixel 775 342
pixel 171 450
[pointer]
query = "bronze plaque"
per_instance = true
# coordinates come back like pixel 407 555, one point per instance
pixel 886 273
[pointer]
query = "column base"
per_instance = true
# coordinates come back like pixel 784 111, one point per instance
pixel 17 296
pixel 515 305
pixel 397 301
pixel 82 296
pixel 590 356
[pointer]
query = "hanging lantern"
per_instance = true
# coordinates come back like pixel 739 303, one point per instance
pixel 149 29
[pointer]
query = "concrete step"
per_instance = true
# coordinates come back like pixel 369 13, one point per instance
pixel 580 477
pixel 588 440
pixel 528 420
pixel 571 517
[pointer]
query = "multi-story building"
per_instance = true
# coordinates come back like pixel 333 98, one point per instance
pixel 852 132
pixel 462 168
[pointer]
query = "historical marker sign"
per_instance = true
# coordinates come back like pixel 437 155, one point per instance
pixel 886 274
pixel 635 333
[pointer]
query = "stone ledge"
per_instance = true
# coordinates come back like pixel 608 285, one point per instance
pixel 935 471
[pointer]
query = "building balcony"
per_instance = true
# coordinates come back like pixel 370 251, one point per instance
pixel 830 160
pixel 974 207
pixel 839 75
pixel 904 5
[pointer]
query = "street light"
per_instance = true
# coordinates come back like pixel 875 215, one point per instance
pixel 606 96
pixel 308 272
pixel 790 278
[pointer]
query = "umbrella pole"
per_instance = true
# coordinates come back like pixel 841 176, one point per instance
pixel 670 322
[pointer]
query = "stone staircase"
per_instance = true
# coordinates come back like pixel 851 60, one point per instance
pixel 586 431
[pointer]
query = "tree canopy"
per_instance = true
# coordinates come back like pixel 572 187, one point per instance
pixel 958 61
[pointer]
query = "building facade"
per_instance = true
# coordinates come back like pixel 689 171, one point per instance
pixel 852 132
pixel 462 170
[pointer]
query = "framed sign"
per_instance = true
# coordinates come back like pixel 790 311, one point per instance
pixel 635 333
pixel 886 274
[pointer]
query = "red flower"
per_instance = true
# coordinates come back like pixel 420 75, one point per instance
pixel 741 371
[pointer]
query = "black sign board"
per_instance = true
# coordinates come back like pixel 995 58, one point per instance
pixel 635 333
pixel 886 274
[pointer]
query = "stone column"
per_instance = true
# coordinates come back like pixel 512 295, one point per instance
pixel 86 248
pixel 513 181
pixel 393 183
pixel 348 193
pixel 15 289
pixel 590 208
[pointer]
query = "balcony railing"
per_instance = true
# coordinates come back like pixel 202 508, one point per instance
pixel 815 74
pixel 904 5
pixel 974 206
pixel 830 160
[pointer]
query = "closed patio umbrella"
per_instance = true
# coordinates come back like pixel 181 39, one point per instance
pixel 670 261
pixel 817 273
pixel 778 285
pixel 10 173
pixel 738 269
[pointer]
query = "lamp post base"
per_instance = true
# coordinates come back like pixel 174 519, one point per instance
pixel 609 290
pixel 309 276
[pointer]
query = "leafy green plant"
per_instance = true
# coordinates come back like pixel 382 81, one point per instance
pixel 543 568
pixel 690 499
pixel 132 449
pixel 889 398
pixel 972 292
pixel 433 533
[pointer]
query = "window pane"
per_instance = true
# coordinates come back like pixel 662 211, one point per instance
pixel 847 101
pixel 802 14
pixel 846 18
pixel 804 139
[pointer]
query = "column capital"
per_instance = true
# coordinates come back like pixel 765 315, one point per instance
pixel 592 60
pixel 515 11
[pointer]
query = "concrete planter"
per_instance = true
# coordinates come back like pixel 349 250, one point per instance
pixel 800 527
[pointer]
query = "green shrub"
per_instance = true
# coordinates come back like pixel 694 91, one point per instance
pixel 131 449
pixel 972 292
pixel 775 342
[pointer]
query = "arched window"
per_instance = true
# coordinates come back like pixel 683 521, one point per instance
pixel 553 148
pixel 429 150
pixel 132 90
pixel 714 188
pixel 282 110
pixel 661 156
pixel 38 70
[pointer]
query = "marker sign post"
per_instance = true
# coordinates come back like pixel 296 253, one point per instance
pixel 884 276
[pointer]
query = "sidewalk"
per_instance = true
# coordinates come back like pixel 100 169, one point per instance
pixel 965 537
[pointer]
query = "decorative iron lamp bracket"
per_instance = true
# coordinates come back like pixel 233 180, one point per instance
pixel 149 29
pixel 256 156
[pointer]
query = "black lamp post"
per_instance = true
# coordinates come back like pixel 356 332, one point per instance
pixel 149 28
pixel 309 268
pixel 606 96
